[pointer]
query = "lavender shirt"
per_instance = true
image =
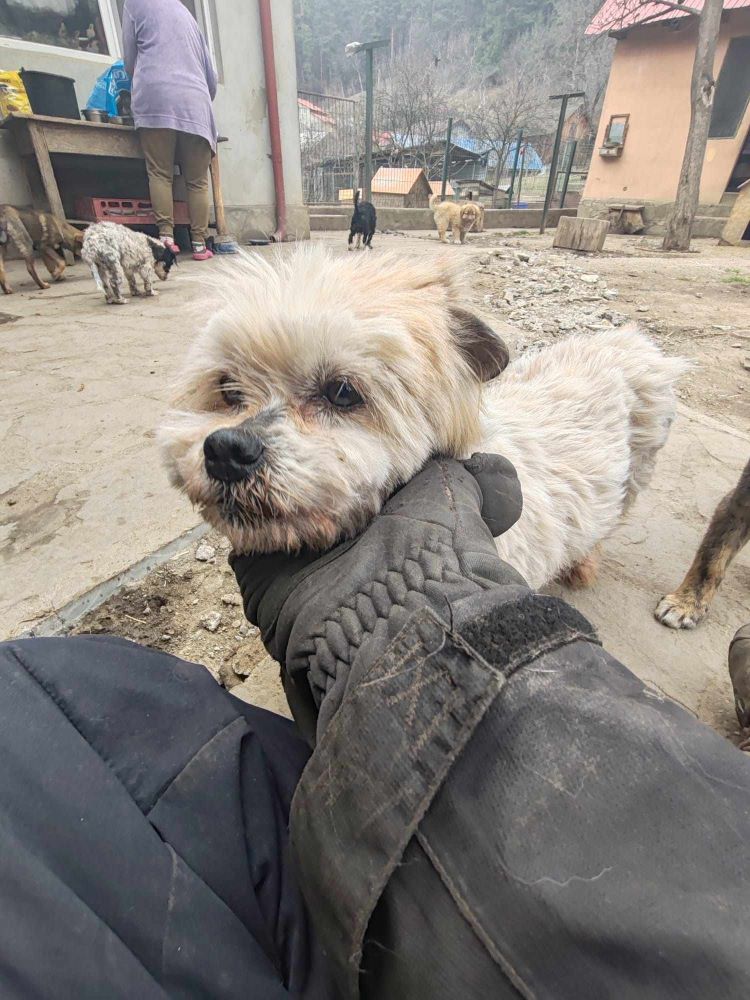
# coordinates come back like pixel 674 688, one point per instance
pixel 168 61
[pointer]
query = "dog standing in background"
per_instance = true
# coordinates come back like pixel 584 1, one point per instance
pixel 117 254
pixel 364 220
pixel 31 230
pixel 322 383
pixel 461 218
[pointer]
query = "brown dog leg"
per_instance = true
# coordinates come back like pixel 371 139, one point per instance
pixel 582 574
pixel 54 263
pixel 31 268
pixel 727 533
pixel 3 279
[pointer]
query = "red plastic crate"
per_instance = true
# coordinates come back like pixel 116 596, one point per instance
pixel 129 211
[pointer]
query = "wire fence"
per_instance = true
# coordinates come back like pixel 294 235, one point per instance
pixel 329 141
pixel 332 146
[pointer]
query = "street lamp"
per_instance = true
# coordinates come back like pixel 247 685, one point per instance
pixel 351 50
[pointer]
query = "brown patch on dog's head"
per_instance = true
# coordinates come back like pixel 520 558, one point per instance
pixel 341 376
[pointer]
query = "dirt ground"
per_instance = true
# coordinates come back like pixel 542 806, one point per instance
pixel 695 305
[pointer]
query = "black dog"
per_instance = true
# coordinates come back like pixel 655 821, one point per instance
pixel 364 220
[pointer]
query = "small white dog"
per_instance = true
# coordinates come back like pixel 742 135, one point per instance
pixel 321 383
pixel 117 254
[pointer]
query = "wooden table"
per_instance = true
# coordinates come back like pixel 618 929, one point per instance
pixel 38 136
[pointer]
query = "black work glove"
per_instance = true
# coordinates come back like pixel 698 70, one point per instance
pixel 325 618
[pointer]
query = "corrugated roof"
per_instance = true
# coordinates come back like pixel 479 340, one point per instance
pixel 615 15
pixel 396 180
pixel 437 188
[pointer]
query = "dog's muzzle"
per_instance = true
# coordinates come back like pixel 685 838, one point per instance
pixel 232 454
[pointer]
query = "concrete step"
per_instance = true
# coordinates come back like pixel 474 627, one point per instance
pixel 709 225
pixel 322 223
pixel 728 198
pixel 720 211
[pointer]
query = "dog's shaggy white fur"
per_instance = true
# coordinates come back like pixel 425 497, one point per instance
pixel 117 254
pixel 581 421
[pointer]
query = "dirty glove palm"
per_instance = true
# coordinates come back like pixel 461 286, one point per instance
pixel 326 618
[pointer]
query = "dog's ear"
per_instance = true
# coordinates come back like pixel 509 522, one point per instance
pixel 486 352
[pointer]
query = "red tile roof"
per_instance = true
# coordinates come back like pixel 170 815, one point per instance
pixel 615 15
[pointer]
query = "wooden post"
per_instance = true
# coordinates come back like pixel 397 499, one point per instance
pixel 580 234
pixel 739 218
pixel 49 183
pixel 221 222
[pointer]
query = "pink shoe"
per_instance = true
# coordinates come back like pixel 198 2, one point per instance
pixel 201 252
pixel 170 244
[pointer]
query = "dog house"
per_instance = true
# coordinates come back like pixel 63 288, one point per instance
pixel 401 187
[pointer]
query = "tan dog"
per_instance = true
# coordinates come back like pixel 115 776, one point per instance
pixel 322 383
pixel 31 230
pixel 456 216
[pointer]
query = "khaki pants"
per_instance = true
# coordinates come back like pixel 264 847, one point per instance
pixel 161 148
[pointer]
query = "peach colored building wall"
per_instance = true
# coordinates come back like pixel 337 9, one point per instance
pixel 650 81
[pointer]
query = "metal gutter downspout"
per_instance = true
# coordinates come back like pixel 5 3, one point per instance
pixel 272 97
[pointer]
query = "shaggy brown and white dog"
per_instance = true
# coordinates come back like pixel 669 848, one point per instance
pixel 321 383
pixel 117 254
pixel 459 217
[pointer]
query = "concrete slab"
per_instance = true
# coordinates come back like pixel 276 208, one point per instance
pixel 82 492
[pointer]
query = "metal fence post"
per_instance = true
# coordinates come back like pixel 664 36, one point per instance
pixel 515 168
pixel 367 179
pixel 446 160
pixel 570 153
pixel 563 98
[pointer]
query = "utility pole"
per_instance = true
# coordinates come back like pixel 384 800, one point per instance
pixel 446 160
pixel 519 140
pixel 563 98
pixel 368 47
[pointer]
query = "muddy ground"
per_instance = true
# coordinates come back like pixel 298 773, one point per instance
pixel 696 305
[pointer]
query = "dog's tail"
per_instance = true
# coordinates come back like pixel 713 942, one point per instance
pixel 651 376
pixel 435 200
pixel 356 198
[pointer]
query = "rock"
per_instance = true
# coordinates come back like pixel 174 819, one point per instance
pixel 641 309
pixel 589 279
pixel 738 345
pixel 211 622
pixel 167 637
pixel 248 631
pixel 721 326
pixel 522 256
pixel 205 552
pixel 746 363
pixel 484 260
pixel 610 293
pixel 232 599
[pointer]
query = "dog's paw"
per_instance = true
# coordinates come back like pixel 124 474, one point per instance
pixel 43 286
pixel 679 611
pixel 118 302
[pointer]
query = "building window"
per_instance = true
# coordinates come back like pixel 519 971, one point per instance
pixel 67 24
pixel 616 130
pixel 732 90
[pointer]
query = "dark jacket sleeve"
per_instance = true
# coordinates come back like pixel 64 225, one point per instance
pixel 509 812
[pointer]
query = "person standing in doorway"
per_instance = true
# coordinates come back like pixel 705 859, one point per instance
pixel 174 83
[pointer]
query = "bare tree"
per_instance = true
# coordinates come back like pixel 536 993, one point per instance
pixel 500 113
pixel 412 108
pixel 702 88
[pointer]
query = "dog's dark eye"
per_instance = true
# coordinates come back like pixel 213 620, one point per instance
pixel 342 394
pixel 231 395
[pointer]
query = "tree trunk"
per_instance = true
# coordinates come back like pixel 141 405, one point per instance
pixel 498 171
pixel 702 87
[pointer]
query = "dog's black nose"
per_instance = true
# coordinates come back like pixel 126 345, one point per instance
pixel 231 454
